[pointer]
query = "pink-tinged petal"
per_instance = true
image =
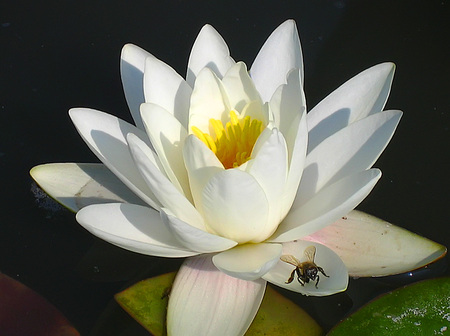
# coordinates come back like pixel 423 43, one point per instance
pixel 132 64
pixel 209 100
pixel 370 246
pixel 352 149
pixel 163 86
pixel 209 50
pixel 76 185
pixel 248 261
pixel 206 301
pixel 325 258
pixel 330 204
pixel 235 206
pixel 240 88
pixel 362 95
pixel 192 237
pixel 106 137
pixel 132 227
pixel 167 136
pixel 168 195
pixel 279 54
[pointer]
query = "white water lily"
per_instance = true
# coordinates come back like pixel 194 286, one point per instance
pixel 228 164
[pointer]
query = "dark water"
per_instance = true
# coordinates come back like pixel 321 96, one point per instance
pixel 60 54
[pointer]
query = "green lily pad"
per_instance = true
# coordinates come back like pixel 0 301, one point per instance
pixel 280 316
pixel 422 308
pixel 146 302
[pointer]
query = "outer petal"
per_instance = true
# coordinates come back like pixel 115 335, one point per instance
pixel 194 238
pixel 239 86
pixel 132 63
pixel 279 54
pixel 235 206
pixel 167 136
pixel 76 185
pixel 205 301
pixel 209 50
pixel 327 206
pixel 249 261
pixel 132 227
pixel 325 258
pixel 169 196
pixel 106 137
pixel 370 246
pixel 352 149
pixel 357 98
pixel 209 100
pixel 269 168
pixel 163 86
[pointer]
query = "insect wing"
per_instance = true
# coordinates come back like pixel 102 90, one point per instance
pixel 290 259
pixel 310 253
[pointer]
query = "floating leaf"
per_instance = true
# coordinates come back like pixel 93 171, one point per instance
pixel 280 316
pixel 24 312
pixel 370 246
pixel 422 308
pixel 146 302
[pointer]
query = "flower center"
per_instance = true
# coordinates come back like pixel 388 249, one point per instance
pixel 232 143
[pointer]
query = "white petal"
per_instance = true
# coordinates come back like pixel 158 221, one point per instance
pixel 167 136
pixel 269 168
pixel 169 196
pixel 352 149
pixel 194 238
pixel 235 206
pixel 106 137
pixel 76 185
pixel 208 101
pixel 370 246
pixel 240 87
pixel 357 98
pixel 201 164
pixel 289 110
pixel 132 63
pixel 163 86
pixel 209 50
pixel 297 142
pixel 330 262
pixel 327 206
pixel 205 301
pixel 279 54
pixel 132 227
pixel 249 261
pixel 288 101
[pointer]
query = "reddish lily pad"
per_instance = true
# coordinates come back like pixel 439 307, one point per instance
pixel 147 300
pixel 24 312
pixel 422 308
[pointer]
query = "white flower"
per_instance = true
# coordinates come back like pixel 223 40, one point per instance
pixel 229 165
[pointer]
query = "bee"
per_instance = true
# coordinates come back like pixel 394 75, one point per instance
pixel 306 270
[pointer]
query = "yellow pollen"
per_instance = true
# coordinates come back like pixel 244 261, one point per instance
pixel 232 143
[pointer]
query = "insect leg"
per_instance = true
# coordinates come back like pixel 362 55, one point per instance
pixel 299 276
pixel 291 277
pixel 322 271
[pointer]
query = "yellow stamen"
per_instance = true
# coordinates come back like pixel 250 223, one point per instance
pixel 233 142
